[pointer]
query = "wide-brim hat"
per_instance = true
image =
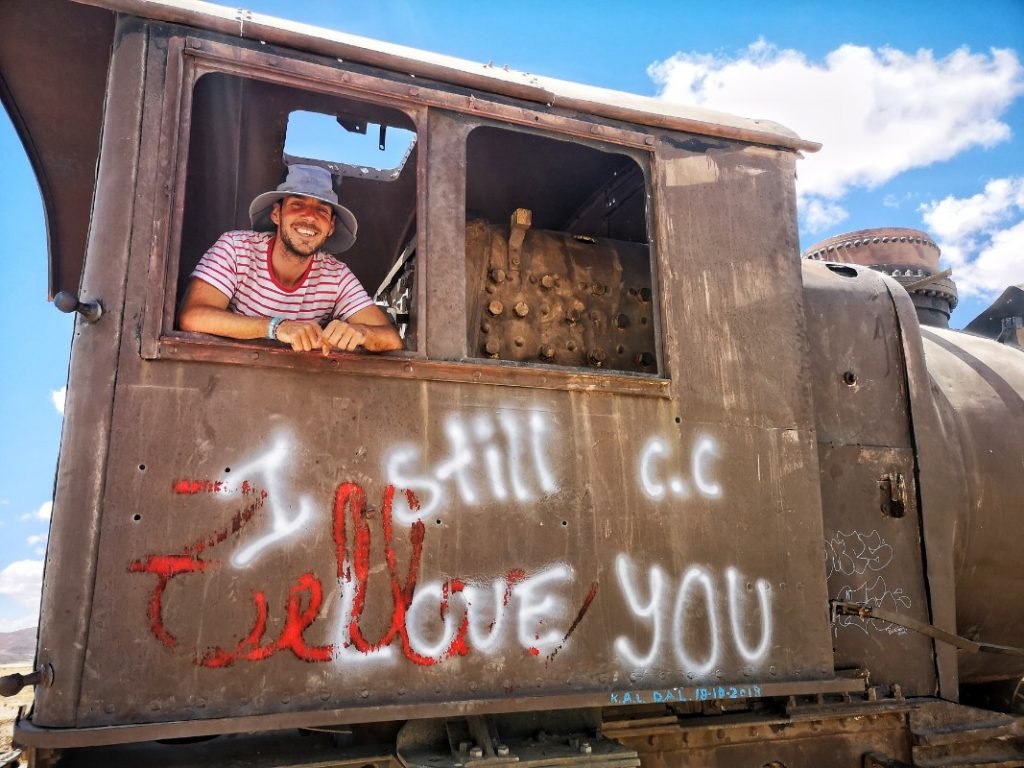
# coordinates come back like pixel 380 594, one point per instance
pixel 308 181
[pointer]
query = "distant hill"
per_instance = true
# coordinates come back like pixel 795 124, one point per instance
pixel 18 647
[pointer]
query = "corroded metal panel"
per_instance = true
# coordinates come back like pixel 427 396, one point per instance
pixel 731 263
pixel 65 618
pixel 874 558
pixel 825 736
pixel 560 299
pixel 872 545
pixel 445 192
pixel 471 544
pixel 281 541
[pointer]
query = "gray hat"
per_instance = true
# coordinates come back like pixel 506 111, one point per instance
pixel 308 181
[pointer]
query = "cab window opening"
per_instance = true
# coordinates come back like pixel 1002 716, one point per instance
pixel 350 145
pixel 245 134
pixel 558 263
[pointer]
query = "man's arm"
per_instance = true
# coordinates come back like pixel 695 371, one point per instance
pixel 369 328
pixel 205 309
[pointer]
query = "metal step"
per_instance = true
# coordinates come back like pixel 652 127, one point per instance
pixel 946 735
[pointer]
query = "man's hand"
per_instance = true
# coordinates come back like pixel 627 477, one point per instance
pixel 368 328
pixel 342 336
pixel 302 336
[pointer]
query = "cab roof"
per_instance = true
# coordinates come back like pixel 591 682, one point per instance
pixel 486 77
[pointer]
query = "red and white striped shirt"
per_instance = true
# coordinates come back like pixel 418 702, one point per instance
pixel 238 265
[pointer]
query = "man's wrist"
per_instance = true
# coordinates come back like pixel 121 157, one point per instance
pixel 275 323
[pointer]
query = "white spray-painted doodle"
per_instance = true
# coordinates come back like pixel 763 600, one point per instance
pixel 758 652
pixel 288 512
pixel 856 553
pixel 646 610
pixel 669 617
pixel 500 456
pixel 490 456
pixel 435 616
pixel 656 486
pixel 876 594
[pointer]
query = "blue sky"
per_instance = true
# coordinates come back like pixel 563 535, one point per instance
pixel 920 105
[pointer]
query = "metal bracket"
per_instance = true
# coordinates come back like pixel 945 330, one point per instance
pixel 521 221
pixel 893 487
pixel 865 611
pixel 474 742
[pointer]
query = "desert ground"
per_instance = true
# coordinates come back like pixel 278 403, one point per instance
pixel 9 707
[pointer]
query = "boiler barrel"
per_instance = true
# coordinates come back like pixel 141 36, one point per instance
pixel 978 387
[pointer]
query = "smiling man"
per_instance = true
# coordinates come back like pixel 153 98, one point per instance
pixel 280 281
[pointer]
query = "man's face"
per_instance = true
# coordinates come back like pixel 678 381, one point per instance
pixel 303 223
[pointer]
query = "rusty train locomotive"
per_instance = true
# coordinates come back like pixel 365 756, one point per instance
pixel 644 487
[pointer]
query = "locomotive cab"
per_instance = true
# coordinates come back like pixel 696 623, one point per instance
pixel 600 501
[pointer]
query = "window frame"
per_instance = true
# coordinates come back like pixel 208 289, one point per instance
pixel 189 58
pixel 643 161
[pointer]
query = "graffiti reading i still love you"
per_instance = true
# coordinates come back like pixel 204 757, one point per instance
pixel 688 620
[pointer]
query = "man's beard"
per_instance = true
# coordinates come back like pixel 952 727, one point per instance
pixel 298 248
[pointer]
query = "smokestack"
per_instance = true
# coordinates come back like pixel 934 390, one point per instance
pixel 908 255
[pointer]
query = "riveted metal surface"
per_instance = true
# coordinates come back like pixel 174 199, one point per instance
pixel 570 301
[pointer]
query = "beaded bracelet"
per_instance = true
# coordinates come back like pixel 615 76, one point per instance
pixel 272 328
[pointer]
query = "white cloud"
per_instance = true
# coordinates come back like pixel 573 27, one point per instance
pixel 878 112
pixel 43 513
pixel 22 581
pixel 897 201
pixel 981 236
pixel 58 396
pixel 38 543
pixel 818 215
